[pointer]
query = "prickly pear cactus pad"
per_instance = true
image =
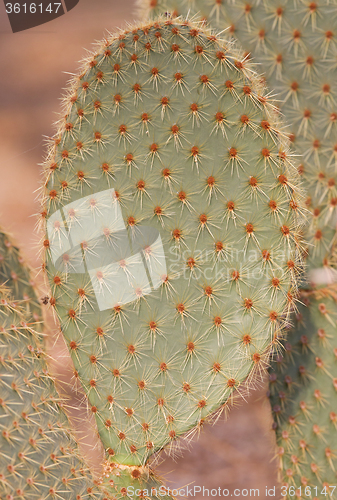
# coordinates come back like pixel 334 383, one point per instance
pixel 38 457
pixel 294 43
pixel 303 385
pixel 172 212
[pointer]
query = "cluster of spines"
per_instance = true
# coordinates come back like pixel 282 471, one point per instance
pixel 122 481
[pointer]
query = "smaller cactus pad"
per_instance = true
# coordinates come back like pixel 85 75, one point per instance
pixel 303 385
pixel 16 275
pixel 38 457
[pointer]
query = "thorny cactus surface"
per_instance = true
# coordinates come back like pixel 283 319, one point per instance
pixel 38 457
pixel 303 385
pixel 294 44
pixel 172 212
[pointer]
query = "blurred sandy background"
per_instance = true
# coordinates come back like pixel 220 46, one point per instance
pixel 236 453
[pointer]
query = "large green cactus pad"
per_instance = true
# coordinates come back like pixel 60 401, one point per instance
pixel 303 384
pixel 294 43
pixel 172 212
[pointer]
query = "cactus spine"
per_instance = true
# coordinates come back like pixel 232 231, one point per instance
pixel 172 245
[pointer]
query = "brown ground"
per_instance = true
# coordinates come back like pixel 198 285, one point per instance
pixel 232 454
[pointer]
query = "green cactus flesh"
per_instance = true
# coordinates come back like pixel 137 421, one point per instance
pixel 294 44
pixel 38 457
pixel 172 212
pixel 303 385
